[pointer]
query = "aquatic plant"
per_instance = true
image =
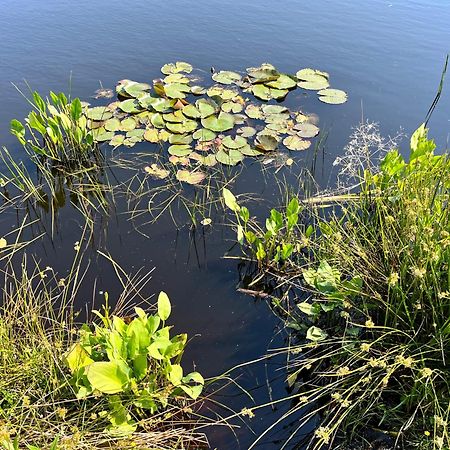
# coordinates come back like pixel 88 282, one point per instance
pixel 56 131
pixel 59 381
pixel 204 126
pixel 372 305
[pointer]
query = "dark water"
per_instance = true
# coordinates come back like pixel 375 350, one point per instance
pixel 388 55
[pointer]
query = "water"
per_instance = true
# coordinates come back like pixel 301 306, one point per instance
pixel 388 55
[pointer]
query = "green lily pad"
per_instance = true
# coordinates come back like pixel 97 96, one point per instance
pixel 223 93
pixel 208 160
pixel 190 177
pixel 198 90
pixel 332 96
pixel 266 142
pixel 249 151
pixel 233 107
pixel 174 117
pixel 176 90
pixel 136 90
pixel 128 124
pixel 282 82
pixel 99 113
pixel 180 139
pixel 262 92
pixel 130 106
pixel 254 112
pixel 306 130
pixel 157 171
pixel 226 77
pixel 176 78
pixel 117 140
pixel 112 124
pixel 296 143
pixel 131 141
pixel 263 74
pixel 157 120
pixel 164 135
pixel 204 134
pixel 151 135
pixel 246 131
pixel 101 135
pixel 181 128
pixel 223 122
pixel 229 158
pixel 235 143
pixel 205 107
pixel 278 127
pixel 191 111
pixel 136 133
pixel 274 109
pixel 312 79
pixel 180 150
pixel 179 66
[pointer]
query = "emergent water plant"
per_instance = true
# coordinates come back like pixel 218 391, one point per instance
pixel 373 307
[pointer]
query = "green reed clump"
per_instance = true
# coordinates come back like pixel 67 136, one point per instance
pixel 376 322
pixel 118 384
pixel 56 133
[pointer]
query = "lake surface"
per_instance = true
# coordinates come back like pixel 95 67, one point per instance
pixel 388 55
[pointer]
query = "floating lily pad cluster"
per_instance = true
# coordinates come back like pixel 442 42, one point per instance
pixel 204 126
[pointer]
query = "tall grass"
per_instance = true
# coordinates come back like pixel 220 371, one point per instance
pixel 369 278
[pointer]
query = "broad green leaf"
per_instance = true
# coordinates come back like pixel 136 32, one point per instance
pixel 164 306
pixel 108 377
pixel 230 200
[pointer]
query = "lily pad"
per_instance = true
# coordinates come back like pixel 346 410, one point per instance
pixel 176 78
pixel 296 143
pixel 263 74
pixel 235 143
pixel 180 139
pixel 135 90
pixel 156 171
pixel 223 122
pixel 151 135
pixel 274 109
pixel 266 142
pixel 203 134
pixel 99 113
pixel 229 158
pixel 101 135
pixel 112 124
pixel 254 112
pixel 249 151
pixel 198 90
pixel 194 177
pixel 312 79
pixel 223 93
pixel 117 140
pixel 205 107
pixel 136 133
pixel 130 106
pixel 174 117
pixel 233 107
pixel 306 130
pixel 176 90
pixel 128 124
pixel 180 150
pixel 226 77
pixel 282 82
pixel 208 160
pixel 246 131
pixel 191 111
pixel 332 96
pixel 179 66
pixel 157 120
pixel 183 160
pixel 181 128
